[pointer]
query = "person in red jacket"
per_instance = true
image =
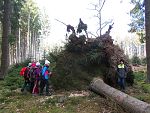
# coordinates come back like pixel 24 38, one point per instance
pixel 26 78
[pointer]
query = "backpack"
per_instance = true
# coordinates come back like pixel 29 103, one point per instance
pixel 32 72
pixel 37 72
pixel 22 71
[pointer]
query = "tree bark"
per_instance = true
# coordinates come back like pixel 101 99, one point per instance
pixel 17 34
pixel 28 37
pixel 10 54
pixel 24 48
pixel 130 104
pixel 5 35
pixel 147 26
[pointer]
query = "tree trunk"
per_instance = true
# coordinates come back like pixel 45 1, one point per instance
pixel 35 36
pixel 130 104
pixel 14 54
pixel 28 37
pixel 147 26
pixel 21 46
pixel 32 44
pixel 17 34
pixel 10 54
pixel 5 35
pixel 25 48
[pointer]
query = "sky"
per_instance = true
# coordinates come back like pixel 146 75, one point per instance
pixel 69 12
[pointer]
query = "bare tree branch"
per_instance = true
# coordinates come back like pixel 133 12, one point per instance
pixel 109 21
pixel 97 31
pixel 102 5
pixel 106 23
pixel 92 34
pixel 98 8
pixel 97 16
pixel 94 6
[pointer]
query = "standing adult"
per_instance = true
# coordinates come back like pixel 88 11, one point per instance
pixel 45 78
pixel 37 74
pixel 26 78
pixel 121 71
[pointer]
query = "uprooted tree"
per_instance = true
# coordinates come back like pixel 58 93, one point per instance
pixel 90 55
pixel 104 53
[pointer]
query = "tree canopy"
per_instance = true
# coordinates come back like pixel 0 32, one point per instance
pixel 138 18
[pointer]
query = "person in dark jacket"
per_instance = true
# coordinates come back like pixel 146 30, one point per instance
pixel 121 71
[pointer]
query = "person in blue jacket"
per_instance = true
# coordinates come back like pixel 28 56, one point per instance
pixel 45 78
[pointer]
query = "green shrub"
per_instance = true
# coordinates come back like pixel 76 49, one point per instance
pixel 140 79
pixel 136 60
pixel 144 61
pixel 13 79
pixel 146 87
pixel 139 76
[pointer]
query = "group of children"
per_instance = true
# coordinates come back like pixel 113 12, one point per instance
pixel 36 77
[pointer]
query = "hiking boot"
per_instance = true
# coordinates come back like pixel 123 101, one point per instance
pixel 123 90
pixel 41 94
pixel 48 94
pixel 22 90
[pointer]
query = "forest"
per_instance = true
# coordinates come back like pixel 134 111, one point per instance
pixel 87 75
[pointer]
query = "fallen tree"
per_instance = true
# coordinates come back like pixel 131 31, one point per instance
pixel 129 103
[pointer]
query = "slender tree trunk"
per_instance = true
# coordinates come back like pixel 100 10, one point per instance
pixel 35 35
pixel 30 47
pixel 5 35
pixel 25 48
pixel 147 26
pixel 100 20
pixel 34 46
pixel 19 47
pixel 10 54
pixel 32 35
pixel 28 36
pixel 14 54
pixel 100 24
pixel 17 34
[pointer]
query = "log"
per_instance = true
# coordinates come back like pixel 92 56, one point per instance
pixel 129 103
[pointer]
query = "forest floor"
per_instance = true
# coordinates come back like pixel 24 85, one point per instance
pixel 65 102
pixel 14 101
pixel 60 102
